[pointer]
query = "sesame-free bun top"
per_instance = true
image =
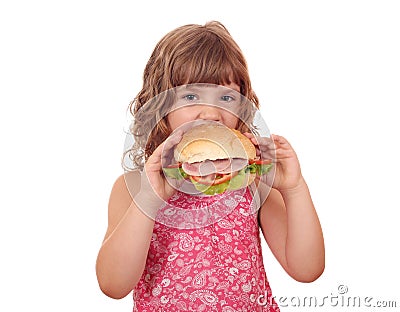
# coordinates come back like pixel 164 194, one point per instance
pixel 211 142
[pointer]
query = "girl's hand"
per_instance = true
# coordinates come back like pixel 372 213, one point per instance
pixel 287 168
pixel 155 190
pixel 162 155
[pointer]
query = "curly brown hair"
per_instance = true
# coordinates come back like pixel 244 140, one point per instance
pixel 189 54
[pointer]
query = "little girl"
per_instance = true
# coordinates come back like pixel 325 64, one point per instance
pixel 219 266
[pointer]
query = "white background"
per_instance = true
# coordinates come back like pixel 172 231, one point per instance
pixel 328 77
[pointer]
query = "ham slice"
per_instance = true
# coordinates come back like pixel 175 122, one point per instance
pixel 208 167
pixel 236 164
pixel 199 168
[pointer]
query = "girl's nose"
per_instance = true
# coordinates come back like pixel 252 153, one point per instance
pixel 210 112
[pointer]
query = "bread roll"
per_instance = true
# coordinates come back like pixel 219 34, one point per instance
pixel 213 141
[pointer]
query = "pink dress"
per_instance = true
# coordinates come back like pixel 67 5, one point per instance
pixel 201 264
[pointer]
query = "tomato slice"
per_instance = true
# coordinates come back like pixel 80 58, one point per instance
pixel 221 178
pixel 205 180
pixel 260 161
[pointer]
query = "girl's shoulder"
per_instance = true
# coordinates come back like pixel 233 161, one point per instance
pixel 126 185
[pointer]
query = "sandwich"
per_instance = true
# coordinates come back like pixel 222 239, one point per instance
pixel 216 159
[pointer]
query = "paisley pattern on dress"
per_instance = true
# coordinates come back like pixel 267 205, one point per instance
pixel 217 267
pixel 198 211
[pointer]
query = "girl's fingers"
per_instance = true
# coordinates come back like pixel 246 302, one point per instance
pixel 169 146
pixel 248 135
pixel 163 155
pixel 274 147
pixel 173 139
pixel 264 142
pixel 280 141
pixel 283 148
pixel 265 147
pixel 153 163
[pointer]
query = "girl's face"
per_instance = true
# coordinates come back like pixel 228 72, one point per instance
pixel 207 102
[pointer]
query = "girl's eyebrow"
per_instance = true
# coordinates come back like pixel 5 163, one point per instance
pixel 189 89
pixel 192 88
pixel 201 88
pixel 229 91
pixel 209 86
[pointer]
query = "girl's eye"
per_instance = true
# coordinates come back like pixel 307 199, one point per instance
pixel 190 97
pixel 227 98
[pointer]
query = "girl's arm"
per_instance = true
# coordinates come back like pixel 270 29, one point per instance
pixel 288 218
pixel 122 256
pixel 292 230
